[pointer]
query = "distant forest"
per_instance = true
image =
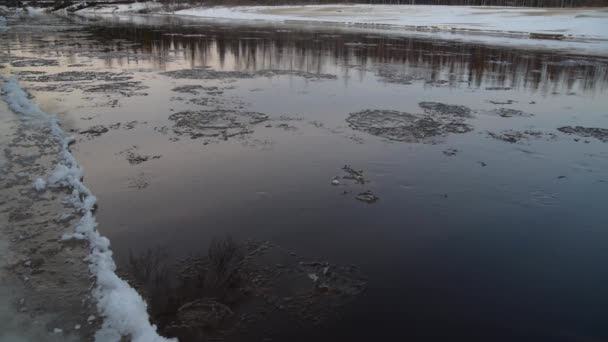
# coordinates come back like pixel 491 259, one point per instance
pixel 518 3
pixel 513 3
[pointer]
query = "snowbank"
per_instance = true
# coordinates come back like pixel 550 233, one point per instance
pixel 137 7
pixel 584 22
pixel 124 310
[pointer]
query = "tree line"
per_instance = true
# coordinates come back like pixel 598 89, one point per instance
pixel 512 3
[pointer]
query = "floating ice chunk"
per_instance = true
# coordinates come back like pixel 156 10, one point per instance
pixel 313 276
pixel 39 184
pixel 57 331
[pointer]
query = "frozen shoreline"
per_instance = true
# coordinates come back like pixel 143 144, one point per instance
pixel 577 23
pixel 34 308
pixel 123 310
pixel 581 31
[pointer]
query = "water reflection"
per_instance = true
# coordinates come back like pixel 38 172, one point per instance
pixel 234 290
pixel 250 48
pixel 482 261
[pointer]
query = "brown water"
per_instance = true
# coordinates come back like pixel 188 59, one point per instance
pixel 472 237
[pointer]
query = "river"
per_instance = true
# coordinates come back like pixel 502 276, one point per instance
pixel 453 190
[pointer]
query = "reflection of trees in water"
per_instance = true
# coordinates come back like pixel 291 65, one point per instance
pixel 240 291
pixel 168 286
pixel 460 63
pixel 513 3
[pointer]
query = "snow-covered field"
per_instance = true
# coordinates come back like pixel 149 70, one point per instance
pixel 592 23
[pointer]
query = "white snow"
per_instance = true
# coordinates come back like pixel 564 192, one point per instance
pixel 39 184
pixel 36 10
pixel 123 8
pixel 584 22
pixel 123 309
pixel 72 236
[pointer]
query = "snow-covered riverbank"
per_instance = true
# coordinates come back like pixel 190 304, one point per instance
pixel 123 309
pixel 579 30
pixel 580 23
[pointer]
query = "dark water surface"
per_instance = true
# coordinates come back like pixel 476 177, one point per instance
pixel 473 238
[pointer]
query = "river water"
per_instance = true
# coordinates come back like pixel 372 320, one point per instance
pixel 488 223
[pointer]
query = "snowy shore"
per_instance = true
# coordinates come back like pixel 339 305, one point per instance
pixel 123 310
pixel 575 23
pixel 573 30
